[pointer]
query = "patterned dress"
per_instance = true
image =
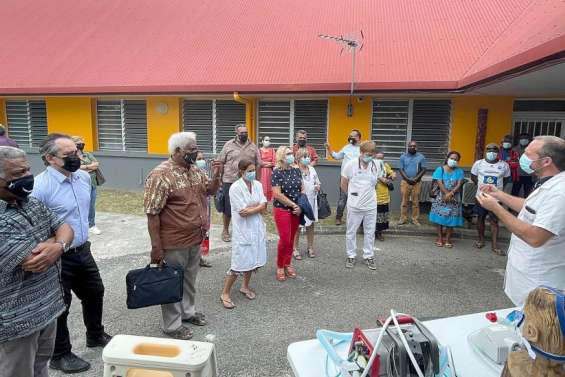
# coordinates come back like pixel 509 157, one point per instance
pixel 450 213
pixel 267 155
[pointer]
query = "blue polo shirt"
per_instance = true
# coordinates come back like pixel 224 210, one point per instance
pixel 68 197
pixel 412 163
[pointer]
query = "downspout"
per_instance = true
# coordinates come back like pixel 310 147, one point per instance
pixel 249 113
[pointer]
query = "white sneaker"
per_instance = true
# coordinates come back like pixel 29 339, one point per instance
pixel 95 230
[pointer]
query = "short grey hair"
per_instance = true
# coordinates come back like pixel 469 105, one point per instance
pixel 240 125
pixel 553 147
pixel 49 146
pixel 9 153
pixel 181 139
pixel 301 132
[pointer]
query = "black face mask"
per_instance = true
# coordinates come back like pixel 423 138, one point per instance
pixel 71 163
pixel 21 187
pixel 190 158
pixel 243 138
pixel 80 147
pixel 412 150
pixel 301 143
pixel 352 140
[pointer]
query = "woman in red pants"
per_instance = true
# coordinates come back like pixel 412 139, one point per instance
pixel 287 185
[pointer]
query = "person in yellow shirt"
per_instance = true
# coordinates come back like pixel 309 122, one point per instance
pixel 384 186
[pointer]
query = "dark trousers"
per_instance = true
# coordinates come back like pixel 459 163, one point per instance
pixel 526 182
pixel 79 273
pixel 341 203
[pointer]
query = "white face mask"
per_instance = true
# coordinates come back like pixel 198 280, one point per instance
pixel 506 145
pixel 266 143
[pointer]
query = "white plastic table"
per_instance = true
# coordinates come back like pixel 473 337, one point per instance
pixel 307 358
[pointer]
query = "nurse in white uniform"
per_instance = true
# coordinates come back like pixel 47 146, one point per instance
pixel 537 248
pixel 358 179
pixel 249 244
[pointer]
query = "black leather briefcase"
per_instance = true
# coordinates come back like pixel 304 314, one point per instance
pixel 154 286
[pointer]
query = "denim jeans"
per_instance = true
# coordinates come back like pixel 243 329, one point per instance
pixel 92 210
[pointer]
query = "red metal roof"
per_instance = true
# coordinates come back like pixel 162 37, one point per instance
pixel 181 46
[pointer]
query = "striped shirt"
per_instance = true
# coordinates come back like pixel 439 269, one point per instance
pixel 28 301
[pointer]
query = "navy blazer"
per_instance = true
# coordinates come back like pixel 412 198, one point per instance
pixel 306 209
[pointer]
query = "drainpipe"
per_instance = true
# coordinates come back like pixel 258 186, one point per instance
pixel 249 113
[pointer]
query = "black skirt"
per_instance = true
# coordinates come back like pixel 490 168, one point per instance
pixel 382 217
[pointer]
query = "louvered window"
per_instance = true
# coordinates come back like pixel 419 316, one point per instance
pixel 198 116
pixel 213 121
pixel 275 122
pixel 539 117
pixel 431 128
pixel 228 114
pixel 122 125
pixel 312 117
pixel 390 126
pixel 281 119
pixel 396 122
pixel 27 121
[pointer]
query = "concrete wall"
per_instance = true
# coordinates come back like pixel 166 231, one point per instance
pixel 128 172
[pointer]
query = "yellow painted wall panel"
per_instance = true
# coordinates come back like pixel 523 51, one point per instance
pixel 464 122
pixel 3 112
pixel 161 125
pixel 340 125
pixel 72 116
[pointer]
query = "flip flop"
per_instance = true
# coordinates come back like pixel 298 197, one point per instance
pixel 228 304
pixel 311 253
pixel 226 237
pixel 438 244
pixel 250 295
pixel 448 245
pixel 479 244
pixel 296 254
pixel 498 252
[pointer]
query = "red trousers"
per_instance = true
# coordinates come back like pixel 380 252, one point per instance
pixel 287 225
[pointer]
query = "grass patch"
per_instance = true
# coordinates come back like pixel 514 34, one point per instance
pixel 131 203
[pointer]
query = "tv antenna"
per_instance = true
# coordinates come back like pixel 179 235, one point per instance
pixel 352 44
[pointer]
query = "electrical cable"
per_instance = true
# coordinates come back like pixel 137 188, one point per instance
pixel 393 314
pixel 376 347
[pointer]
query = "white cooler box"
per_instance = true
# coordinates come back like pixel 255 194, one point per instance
pixel 136 356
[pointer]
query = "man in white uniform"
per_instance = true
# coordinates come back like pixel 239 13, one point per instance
pixel 537 248
pixel 358 179
pixel 346 154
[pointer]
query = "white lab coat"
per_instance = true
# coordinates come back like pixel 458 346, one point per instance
pixel 309 183
pixel 529 267
pixel 249 242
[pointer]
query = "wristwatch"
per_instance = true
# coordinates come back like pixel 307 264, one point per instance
pixel 64 244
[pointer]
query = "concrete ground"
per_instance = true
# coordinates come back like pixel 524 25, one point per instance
pixel 413 276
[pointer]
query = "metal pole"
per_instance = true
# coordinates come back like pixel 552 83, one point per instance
pixel 353 71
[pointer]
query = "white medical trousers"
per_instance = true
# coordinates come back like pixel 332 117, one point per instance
pixel 354 219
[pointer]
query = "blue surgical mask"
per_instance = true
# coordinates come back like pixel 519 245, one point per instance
pixel 491 156
pixel 289 159
pixel 250 176
pixel 524 142
pixel 305 161
pixel 526 164
pixel 367 158
pixel 452 163
pixel 201 164
pixel 506 145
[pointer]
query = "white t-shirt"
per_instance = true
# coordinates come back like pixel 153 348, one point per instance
pixel 491 173
pixel 529 267
pixel 361 194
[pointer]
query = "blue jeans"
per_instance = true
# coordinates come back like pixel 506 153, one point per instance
pixel 92 210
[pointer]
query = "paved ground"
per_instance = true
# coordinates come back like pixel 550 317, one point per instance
pixel 413 277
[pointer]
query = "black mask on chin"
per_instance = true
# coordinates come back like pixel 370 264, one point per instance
pixel 190 158
pixel 352 140
pixel 21 187
pixel 71 163
pixel 301 143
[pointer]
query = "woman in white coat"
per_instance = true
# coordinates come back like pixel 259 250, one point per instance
pixel 311 185
pixel 249 245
